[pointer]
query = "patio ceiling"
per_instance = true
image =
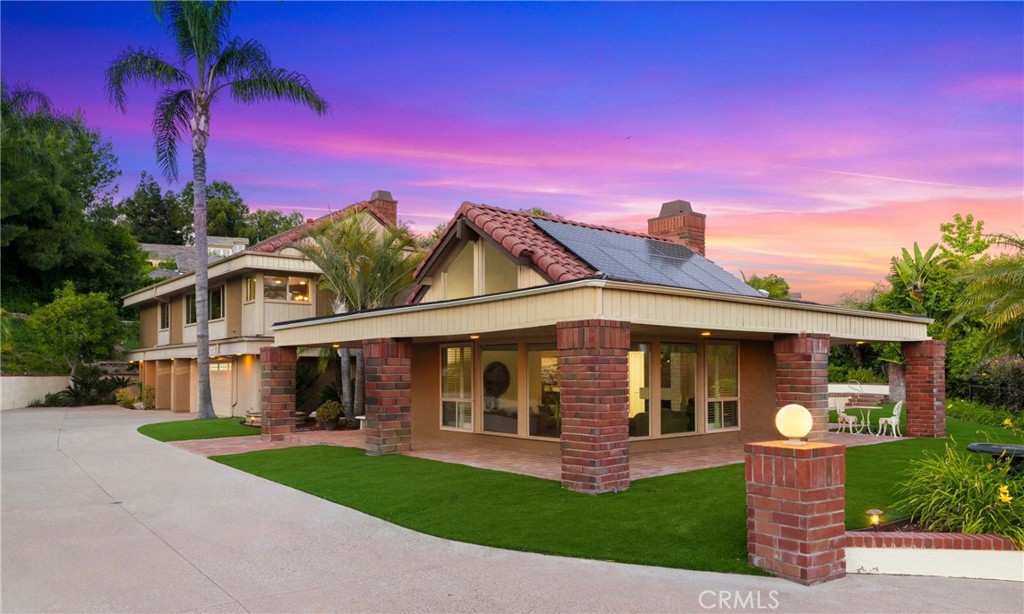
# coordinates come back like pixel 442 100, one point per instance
pixel 652 308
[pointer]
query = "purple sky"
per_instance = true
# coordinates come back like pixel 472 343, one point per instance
pixel 817 138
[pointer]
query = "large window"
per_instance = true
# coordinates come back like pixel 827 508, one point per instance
pixel 293 289
pixel 217 303
pixel 500 375
pixel 722 385
pixel 190 309
pixel 165 316
pixel 640 390
pixel 544 386
pixel 678 388
pixel 457 387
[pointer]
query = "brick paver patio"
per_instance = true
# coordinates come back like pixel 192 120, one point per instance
pixel 485 455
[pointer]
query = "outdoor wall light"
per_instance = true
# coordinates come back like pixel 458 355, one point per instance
pixel 474 337
pixel 875 516
pixel 794 421
pixel 336 345
pixel 860 343
pixel 706 333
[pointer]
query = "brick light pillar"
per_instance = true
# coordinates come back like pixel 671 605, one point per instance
pixel 926 388
pixel 593 363
pixel 801 376
pixel 796 516
pixel 388 396
pixel 277 392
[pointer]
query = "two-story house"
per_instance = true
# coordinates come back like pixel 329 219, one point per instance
pixel 250 290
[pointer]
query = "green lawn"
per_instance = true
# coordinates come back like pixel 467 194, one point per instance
pixel 694 520
pixel 182 430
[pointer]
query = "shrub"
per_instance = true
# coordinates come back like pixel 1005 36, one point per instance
pixel 962 492
pixel 148 397
pixel 973 411
pixel 997 382
pixel 54 399
pixel 125 398
pixel 328 412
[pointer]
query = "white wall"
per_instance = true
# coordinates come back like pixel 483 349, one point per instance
pixel 20 390
pixel 985 564
pixel 864 388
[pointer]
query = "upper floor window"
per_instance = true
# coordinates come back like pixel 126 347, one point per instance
pixel 190 309
pixel 217 303
pixel 165 316
pixel 250 289
pixel 294 289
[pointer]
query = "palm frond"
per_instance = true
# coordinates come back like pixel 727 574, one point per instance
pixel 239 60
pixel 199 29
pixel 170 122
pixel 278 84
pixel 140 66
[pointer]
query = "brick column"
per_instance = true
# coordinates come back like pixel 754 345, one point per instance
pixel 593 363
pixel 388 396
pixel 796 510
pixel 801 376
pixel 897 382
pixel 926 388
pixel 277 392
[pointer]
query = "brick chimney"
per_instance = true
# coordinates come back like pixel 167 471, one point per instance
pixel 385 206
pixel 680 223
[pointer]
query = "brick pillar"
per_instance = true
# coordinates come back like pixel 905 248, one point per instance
pixel 388 396
pixel 593 363
pixel 277 392
pixel 926 388
pixel 796 510
pixel 801 376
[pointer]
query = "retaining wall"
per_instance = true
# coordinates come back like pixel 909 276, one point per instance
pixel 949 555
pixel 20 390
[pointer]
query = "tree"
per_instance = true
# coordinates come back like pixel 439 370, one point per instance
pixel 226 211
pixel 210 64
pixel 79 327
pixel 963 238
pixel 913 270
pixel 264 223
pixel 365 268
pixel 154 217
pixel 994 295
pixel 57 189
pixel 776 286
pixel 428 241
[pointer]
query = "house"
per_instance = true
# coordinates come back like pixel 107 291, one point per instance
pixel 183 257
pixel 250 289
pixel 593 343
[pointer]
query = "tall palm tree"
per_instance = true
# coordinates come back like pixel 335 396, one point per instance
pixel 365 268
pixel 25 117
pixel 994 293
pixel 210 64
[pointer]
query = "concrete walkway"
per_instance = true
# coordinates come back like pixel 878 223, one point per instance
pixel 96 517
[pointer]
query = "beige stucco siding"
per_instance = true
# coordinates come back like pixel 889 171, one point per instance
pixel 148 321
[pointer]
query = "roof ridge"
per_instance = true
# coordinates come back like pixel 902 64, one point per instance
pixel 562 220
pixel 283 238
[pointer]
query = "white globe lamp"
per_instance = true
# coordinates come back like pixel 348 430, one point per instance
pixel 795 422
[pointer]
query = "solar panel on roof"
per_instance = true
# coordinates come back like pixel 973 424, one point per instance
pixel 633 258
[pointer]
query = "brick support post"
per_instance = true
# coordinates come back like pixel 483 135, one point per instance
pixel 277 392
pixel 801 376
pixel 796 510
pixel 593 362
pixel 926 388
pixel 388 396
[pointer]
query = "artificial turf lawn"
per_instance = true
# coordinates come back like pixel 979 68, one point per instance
pixel 693 520
pixel 183 430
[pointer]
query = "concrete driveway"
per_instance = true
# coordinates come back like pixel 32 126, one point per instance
pixel 96 517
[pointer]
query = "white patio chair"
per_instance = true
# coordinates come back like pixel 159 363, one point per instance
pixel 846 421
pixel 892 423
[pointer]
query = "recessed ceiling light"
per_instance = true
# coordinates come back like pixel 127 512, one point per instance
pixel 474 336
pixel 706 333
pixel 336 345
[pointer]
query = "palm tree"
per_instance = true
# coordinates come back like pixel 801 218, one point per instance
pixel 994 293
pixel 364 268
pixel 26 116
pixel 210 64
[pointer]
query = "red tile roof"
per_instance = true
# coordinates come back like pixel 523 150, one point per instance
pixel 514 231
pixel 286 238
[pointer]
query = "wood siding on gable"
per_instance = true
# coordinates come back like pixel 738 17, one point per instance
pixel 149 320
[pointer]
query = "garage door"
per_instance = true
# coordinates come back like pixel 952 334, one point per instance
pixel 221 386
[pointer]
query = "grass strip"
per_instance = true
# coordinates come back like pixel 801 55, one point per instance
pixel 183 430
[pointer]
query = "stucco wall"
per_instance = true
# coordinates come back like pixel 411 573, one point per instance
pixel 19 390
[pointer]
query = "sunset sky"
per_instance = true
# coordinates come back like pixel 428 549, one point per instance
pixel 817 138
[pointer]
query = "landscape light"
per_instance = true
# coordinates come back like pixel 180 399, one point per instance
pixel 875 516
pixel 795 422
